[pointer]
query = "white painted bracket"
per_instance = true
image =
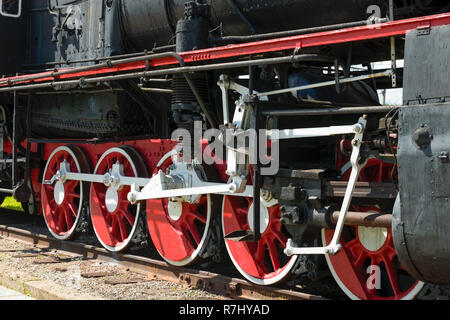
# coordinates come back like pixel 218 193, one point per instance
pixel 334 247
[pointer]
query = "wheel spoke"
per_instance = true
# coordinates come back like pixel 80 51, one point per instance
pixel 196 215
pixel 358 262
pixel 71 185
pixel 194 233
pixel 127 215
pixel 101 196
pixel 273 252
pixel 61 219
pixel 282 239
pixel 114 227
pixel 202 201
pixel 52 172
pixel 51 222
pixel 259 258
pixel 260 251
pixel 73 195
pixel 360 283
pixel 53 205
pixel 353 243
pixel 73 208
pixel 123 229
pixel 68 218
pixel 393 277
pixel 185 247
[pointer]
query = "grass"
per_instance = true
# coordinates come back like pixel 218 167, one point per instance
pixel 11 204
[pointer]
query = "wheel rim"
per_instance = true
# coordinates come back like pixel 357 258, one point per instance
pixel 114 218
pixel 361 249
pixel 62 202
pixel 366 247
pixel 263 262
pixel 179 230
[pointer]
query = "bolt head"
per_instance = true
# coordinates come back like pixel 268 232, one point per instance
pixel 358 128
pixel 132 197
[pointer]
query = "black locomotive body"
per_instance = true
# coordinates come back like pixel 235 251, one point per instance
pixel 67 33
pixel 92 91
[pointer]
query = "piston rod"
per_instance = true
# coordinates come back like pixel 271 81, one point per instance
pixel 328 219
pixel 365 219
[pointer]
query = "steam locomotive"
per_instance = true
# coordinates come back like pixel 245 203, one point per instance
pixel 144 120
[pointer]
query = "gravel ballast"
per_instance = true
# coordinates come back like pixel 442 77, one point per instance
pixel 88 279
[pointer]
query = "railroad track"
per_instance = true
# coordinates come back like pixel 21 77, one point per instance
pixel 209 281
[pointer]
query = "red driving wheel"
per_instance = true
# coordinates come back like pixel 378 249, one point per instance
pixel 62 201
pixel 367 267
pixel 179 229
pixel 262 262
pixel 114 218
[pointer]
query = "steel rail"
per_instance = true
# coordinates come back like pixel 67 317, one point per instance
pixel 212 282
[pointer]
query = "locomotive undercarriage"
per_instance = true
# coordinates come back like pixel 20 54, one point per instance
pixel 299 175
pixel 118 190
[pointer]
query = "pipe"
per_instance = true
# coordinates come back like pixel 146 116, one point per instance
pixel 327 83
pixel 156 90
pixel 364 219
pixel 290 33
pixel 327 111
pixel 7 191
pixel 107 64
pixel 327 218
pixel 170 71
pixel 126 55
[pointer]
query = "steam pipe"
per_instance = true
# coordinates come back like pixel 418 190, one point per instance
pixel 298 32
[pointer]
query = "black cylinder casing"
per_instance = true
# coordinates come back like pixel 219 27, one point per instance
pixel 421 221
pixel 153 22
pixel 420 218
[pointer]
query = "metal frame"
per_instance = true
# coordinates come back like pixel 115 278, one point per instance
pixel 225 85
